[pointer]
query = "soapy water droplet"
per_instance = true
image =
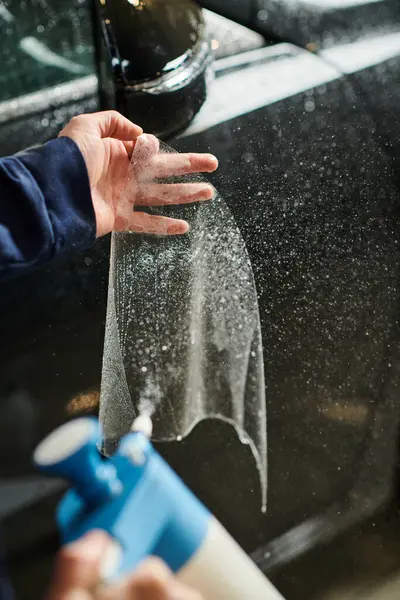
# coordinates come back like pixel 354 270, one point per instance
pixel 309 105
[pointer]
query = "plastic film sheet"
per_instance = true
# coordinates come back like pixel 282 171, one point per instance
pixel 183 339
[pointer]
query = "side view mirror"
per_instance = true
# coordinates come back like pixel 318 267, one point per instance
pixel 154 59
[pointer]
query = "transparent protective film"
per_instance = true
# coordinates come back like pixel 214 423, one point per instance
pixel 183 340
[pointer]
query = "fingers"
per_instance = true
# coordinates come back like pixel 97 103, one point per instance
pixel 77 576
pixel 179 193
pixel 129 147
pixel 172 165
pixel 152 581
pixel 141 222
pixel 76 570
pixel 112 124
pixel 147 146
pixel 107 124
pixel 149 163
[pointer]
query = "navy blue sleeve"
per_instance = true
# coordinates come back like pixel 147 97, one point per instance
pixel 46 207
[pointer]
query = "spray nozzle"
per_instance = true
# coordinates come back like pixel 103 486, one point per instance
pixel 143 424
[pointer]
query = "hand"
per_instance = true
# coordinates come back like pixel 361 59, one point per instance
pixel 107 141
pixel 76 576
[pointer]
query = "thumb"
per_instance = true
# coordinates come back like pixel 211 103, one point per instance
pixel 107 124
pixel 111 124
pixel 77 567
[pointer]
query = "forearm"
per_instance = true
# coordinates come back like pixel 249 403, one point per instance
pixel 46 208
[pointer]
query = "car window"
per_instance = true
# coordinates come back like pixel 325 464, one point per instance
pixel 43 44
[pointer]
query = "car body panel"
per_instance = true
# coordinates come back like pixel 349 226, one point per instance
pixel 309 168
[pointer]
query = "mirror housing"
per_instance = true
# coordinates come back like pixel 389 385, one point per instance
pixel 154 61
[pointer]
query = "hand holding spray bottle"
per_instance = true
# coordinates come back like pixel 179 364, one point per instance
pixel 147 510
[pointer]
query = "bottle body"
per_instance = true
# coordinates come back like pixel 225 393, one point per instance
pixel 147 510
pixel 221 570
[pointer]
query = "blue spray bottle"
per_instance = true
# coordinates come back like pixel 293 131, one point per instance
pixel 147 511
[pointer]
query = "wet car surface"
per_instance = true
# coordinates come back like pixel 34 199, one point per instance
pixel 311 174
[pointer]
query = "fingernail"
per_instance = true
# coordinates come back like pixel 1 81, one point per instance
pixel 178 228
pixel 148 143
pixel 206 192
pixel 213 192
pixel 214 160
pixel 121 224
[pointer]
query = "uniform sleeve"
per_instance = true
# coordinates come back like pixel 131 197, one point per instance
pixel 46 208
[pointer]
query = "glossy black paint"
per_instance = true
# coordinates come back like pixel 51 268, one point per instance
pixel 39 128
pixel 311 23
pixel 241 11
pixel 166 114
pixel 143 46
pixel 318 208
pixel 148 38
pixel 316 196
